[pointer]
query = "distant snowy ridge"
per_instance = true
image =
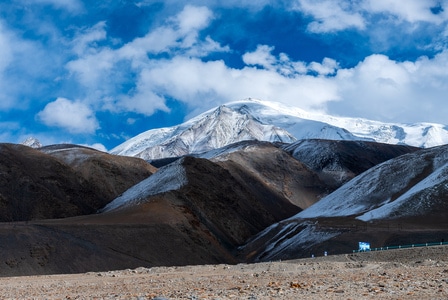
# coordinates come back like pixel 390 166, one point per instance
pixel 423 135
pixel 168 178
pixel 253 119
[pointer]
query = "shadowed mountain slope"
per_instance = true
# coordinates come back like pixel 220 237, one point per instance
pixel 268 170
pixel 110 174
pixel 336 162
pixel 35 185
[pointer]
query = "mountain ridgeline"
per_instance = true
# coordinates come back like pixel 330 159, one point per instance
pixel 273 122
pixel 248 181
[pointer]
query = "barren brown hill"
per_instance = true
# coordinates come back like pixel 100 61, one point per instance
pixel 110 174
pixel 204 221
pixel 76 181
pixel 269 170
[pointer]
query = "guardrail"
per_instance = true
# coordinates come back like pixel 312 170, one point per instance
pixel 403 246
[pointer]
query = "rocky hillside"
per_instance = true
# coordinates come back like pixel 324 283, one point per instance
pixel 69 182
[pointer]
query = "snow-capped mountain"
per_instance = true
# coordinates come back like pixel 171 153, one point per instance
pixel 211 130
pixel 303 125
pixel 253 119
pixel 32 142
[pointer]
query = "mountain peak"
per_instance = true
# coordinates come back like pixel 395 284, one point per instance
pixel 254 119
pixel 32 142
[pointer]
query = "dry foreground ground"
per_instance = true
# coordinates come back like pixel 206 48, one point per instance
pixel 419 273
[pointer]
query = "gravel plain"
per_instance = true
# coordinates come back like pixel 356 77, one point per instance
pixel 419 273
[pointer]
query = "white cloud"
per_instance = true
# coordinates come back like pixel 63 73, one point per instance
pixel 179 34
pixel 381 88
pixel 282 64
pixel 73 116
pixel 331 15
pixel 201 84
pixel 103 71
pixel 5 48
pixel 396 88
pixel 97 146
pixel 261 56
pixel 410 11
pixel 21 61
pixel 6 58
pixel 327 67
pixel 86 40
pixel 336 15
pixel 192 19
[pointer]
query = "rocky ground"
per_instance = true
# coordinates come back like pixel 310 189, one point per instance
pixel 419 273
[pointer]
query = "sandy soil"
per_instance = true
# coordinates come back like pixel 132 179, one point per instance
pixel 420 273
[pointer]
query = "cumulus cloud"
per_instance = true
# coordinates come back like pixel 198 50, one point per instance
pixel 331 15
pixel 86 40
pixel 412 11
pixel 103 71
pixel 379 87
pixel 334 15
pixel 263 57
pixel 192 81
pixel 73 116
pixel 5 48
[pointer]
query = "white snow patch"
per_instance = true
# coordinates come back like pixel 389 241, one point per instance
pixel 437 177
pixel 168 178
pixel 372 188
pixel 376 187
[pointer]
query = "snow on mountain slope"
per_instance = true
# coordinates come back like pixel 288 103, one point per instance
pixel 300 124
pixel 419 134
pixel 253 119
pixel 417 199
pixel 408 185
pixel 211 130
pixel 168 178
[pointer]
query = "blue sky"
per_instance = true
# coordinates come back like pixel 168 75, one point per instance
pixel 99 72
